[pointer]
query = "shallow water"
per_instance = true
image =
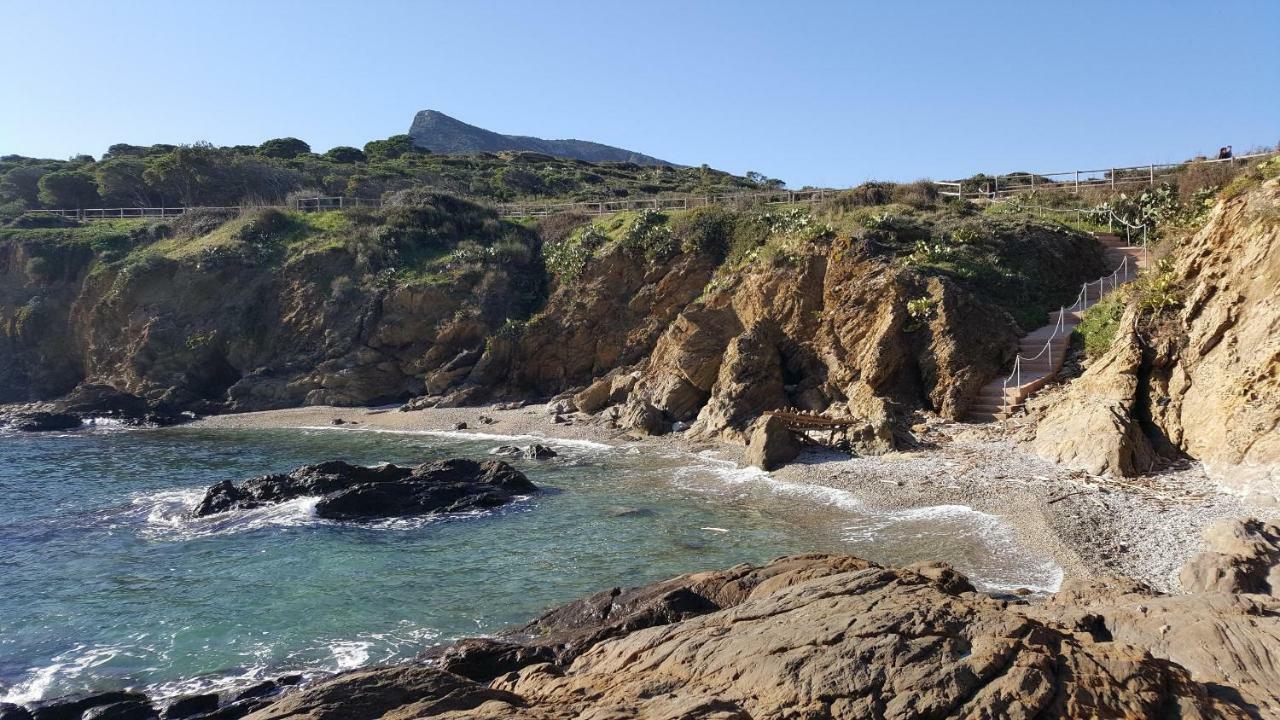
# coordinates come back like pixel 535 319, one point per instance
pixel 105 583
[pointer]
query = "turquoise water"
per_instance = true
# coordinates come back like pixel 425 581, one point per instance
pixel 104 582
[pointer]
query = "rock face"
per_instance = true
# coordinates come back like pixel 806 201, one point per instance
pixel 1202 379
pixel 354 492
pixel 814 636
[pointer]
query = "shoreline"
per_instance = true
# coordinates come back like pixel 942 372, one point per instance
pixel 1090 527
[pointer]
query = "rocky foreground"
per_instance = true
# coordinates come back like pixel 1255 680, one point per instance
pixel 355 492
pixel 827 636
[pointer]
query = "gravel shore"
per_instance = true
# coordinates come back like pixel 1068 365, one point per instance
pixel 1145 529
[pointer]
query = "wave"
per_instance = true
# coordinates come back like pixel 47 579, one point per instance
pixel 166 515
pixel 84 666
pixel 472 435
pixel 872 525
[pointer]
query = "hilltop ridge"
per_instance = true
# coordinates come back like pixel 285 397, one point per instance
pixel 433 130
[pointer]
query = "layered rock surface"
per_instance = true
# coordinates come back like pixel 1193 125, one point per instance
pixel 834 636
pixel 817 636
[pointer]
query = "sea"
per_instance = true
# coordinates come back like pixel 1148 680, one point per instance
pixel 107 582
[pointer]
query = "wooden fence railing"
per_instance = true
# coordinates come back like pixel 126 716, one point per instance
pixel 1076 180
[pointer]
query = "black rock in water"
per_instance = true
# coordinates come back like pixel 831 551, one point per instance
pixel 74 708
pixel 127 710
pixel 355 492
pixel 9 711
pixel 190 706
pixel 40 421
pixel 539 452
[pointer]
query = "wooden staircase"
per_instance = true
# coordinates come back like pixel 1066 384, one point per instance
pixel 1042 350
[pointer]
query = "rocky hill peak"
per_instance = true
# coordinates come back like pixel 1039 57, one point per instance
pixel 440 133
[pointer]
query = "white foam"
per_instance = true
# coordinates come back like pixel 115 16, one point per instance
pixel 350 654
pixel 168 515
pixel 470 435
pixel 70 664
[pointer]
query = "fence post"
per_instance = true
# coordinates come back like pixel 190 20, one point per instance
pixel 1113 178
pixel 1077 190
pixel 996 193
pixel 1152 170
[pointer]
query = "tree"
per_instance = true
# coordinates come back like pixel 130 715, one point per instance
pixel 68 189
pixel 286 148
pixel 389 149
pixel 23 182
pixel 122 182
pixel 124 150
pixel 345 154
pixel 185 174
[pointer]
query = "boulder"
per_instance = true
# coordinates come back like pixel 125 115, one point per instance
pixel 771 444
pixel 73 708
pixel 1243 557
pixel 127 710
pixel 611 389
pixel 190 706
pixel 1092 425
pixel 403 692
pixel 9 711
pixel 539 452
pixel 354 492
pixel 96 400
pixel 40 421
pixel 641 415
pixel 483 659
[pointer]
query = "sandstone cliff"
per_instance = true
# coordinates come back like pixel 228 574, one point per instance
pixel 707 318
pixel 1200 379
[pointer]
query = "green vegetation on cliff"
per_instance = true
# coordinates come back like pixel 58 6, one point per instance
pixel 205 175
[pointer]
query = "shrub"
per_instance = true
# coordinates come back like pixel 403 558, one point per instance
pixel 868 194
pixel 42 220
pixel 1156 288
pixel 1099 323
pixel 264 226
pixel 649 235
pixel 555 228
pixel 195 223
pixel 919 194
pixel 345 154
pixel 704 230
pixel 285 148
pixel 39 269
pixel 567 258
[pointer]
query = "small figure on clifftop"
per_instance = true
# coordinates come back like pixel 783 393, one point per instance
pixel 1224 153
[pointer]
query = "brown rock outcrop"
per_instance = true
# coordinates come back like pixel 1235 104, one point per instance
pixel 771 444
pixel 1202 379
pixel 1243 557
pixel 814 636
pixel 1093 425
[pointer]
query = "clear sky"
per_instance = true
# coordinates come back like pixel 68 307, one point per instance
pixel 824 93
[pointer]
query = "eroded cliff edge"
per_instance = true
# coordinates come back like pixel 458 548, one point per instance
pixel 1198 378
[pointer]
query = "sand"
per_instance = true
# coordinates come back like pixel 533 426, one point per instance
pixel 1091 526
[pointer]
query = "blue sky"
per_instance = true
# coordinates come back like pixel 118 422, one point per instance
pixel 823 93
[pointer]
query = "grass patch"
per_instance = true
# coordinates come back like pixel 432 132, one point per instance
pixel 1098 324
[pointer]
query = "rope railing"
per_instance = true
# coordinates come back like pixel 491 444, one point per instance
pixel 1120 275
